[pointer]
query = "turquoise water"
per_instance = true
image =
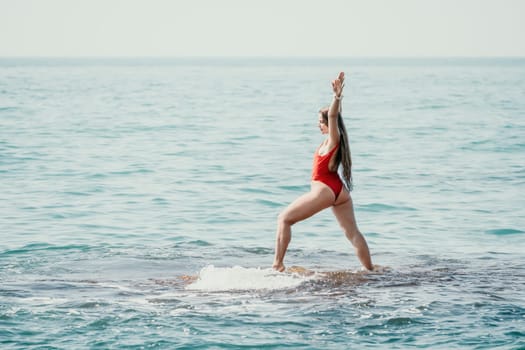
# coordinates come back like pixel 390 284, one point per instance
pixel 119 177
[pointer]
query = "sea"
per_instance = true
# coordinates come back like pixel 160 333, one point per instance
pixel 139 200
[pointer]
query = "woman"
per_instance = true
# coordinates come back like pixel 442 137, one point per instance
pixel 328 189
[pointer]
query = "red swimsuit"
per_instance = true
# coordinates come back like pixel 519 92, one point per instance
pixel 321 171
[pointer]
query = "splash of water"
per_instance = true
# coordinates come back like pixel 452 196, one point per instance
pixel 218 279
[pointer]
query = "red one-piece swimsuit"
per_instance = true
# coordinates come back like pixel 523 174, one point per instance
pixel 321 171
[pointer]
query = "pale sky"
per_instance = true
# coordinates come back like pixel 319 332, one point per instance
pixel 262 28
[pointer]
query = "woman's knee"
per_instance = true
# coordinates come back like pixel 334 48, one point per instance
pixel 358 240
pixel 353 234
pixel 284 218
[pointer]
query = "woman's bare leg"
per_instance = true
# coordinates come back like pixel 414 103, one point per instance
pixel 319 198
pixel 344 213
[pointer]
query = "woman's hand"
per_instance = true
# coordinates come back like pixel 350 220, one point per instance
pixel 338 85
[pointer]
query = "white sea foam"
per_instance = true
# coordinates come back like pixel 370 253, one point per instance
pixel 217 279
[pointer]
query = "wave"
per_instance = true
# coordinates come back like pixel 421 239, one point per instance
pixel 238 278
pixel 504 232
pixel 39 247
pixel 380 207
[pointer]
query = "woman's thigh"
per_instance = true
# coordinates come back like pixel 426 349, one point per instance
pixel 308 204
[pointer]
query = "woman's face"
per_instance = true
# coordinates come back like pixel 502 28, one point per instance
pixel 322 126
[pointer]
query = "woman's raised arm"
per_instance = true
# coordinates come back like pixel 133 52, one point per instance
pixel 335 109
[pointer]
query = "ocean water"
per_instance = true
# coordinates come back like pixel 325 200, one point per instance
pixel 139 200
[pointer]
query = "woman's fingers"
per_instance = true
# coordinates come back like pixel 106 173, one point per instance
pixel 337 86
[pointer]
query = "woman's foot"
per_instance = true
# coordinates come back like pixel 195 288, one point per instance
pixel 278 267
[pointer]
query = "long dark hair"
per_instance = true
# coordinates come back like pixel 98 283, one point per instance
pixel 343 155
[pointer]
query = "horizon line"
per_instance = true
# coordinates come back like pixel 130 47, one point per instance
pixel 258 57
